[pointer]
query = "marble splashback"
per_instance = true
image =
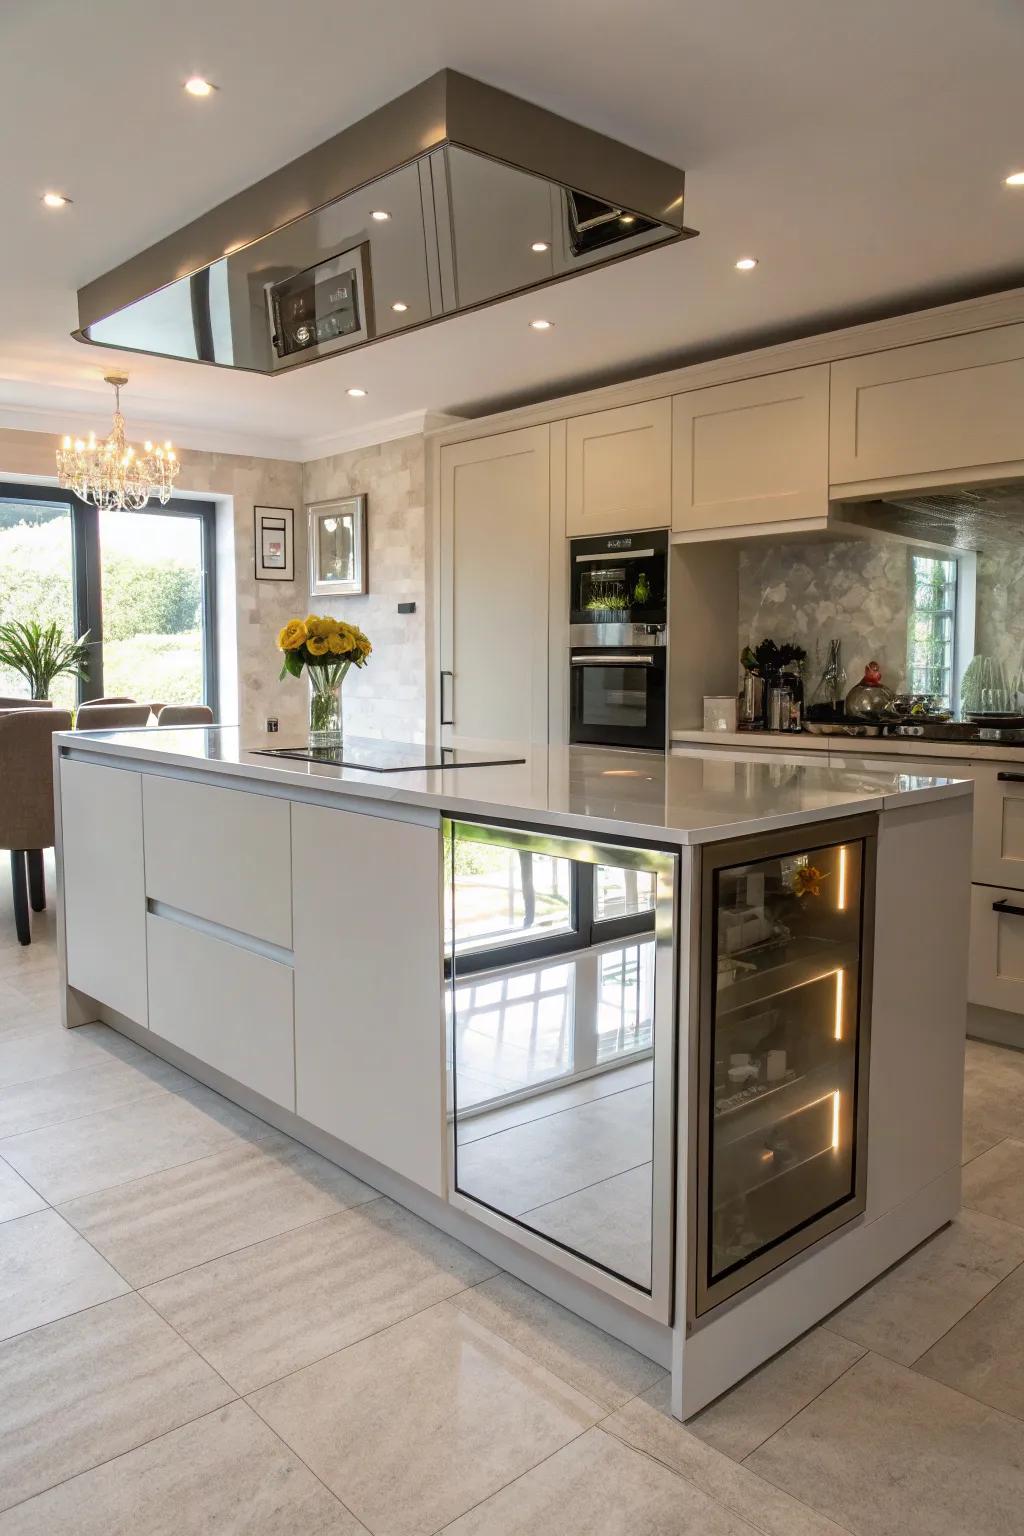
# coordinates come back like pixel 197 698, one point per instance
pixel 854 591
pixel 389 696
pixel 999 622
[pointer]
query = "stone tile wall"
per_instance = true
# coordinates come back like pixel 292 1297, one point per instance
pixel 388 696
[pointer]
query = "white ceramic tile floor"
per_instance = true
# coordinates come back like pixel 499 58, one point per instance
pixel 454 1397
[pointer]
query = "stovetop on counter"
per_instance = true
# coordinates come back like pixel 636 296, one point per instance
pixel 373 756
pixel 957 730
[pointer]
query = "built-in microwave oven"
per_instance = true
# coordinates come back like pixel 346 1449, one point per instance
pixel 618 640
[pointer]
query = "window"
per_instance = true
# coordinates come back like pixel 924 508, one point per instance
pixel 141 583
pixel 931 630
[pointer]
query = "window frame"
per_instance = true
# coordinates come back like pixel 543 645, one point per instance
pixel 947 557
pixel 87 585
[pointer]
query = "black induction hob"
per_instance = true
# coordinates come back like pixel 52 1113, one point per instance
pixel 371 756
pixel 958 730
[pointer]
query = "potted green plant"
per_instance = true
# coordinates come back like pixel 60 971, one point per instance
pixel 41 652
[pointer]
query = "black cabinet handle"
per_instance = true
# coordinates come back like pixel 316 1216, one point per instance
pixel 1010 778
pixel 446 714
pixel 1006 906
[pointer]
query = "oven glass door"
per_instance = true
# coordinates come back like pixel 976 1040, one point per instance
pixel 618 698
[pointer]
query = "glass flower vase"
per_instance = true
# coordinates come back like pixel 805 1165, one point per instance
pixel 325 724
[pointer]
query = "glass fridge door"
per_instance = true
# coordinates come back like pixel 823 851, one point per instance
pixel 561 1043
pixel 783 1073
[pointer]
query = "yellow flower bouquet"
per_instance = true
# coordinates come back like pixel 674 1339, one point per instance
pixel 326 648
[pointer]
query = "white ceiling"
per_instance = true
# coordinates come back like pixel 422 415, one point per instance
pixel 857 150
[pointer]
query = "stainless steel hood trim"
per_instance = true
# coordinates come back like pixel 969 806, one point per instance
pixel 446 108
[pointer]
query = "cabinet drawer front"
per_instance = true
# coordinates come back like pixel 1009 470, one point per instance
pixel 998 825
pixel 619 469
pixel 996 978
pixel 104 892
pixel 221 854
pixel 942 405
pixel 226 1005
pixel 751 452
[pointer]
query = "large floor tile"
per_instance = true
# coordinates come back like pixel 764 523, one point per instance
pixel 272 1308
pixel 984 1354
pixel 170 1221
pixel 994 1182
pixel 16 1197
pixel 38 1053
pixel 85 1091
pixel 91 1386
pixel 609 1221
pixel 647 1424
pixel 993 1094
pixel 47 1271
pixel 223 1475
pixel 886 1450
pixel 97 1151
pixel 554 1102
pixel 599 1487
pixel 748 1415
pixel 414 1426
pixel 903 1312
pixel 588 1359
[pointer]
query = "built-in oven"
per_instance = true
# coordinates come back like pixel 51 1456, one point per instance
pixel 618 640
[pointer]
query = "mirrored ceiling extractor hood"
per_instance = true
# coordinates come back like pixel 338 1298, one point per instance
pixel 453 196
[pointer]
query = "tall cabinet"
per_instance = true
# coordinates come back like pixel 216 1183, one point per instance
pixel 494 579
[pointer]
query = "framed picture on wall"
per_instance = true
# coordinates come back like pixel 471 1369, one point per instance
pixel 275 543
pixel 337 547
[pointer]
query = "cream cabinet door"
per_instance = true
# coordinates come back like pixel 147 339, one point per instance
pixel 996 974
pixel 103 885
pixel 618 471
pixel 753 452
pixel 998 825
pixel 369 999
pixel 945 405
pixel 495 516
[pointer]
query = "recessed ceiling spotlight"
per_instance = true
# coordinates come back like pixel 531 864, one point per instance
pixel 399 308
pixel 197 86
pixel 1015 179
pixel 55 200
pixel 627 218
pixel 541 325
pixel 541 245
pixel 746 264
pixel 357 394
pixel 380 214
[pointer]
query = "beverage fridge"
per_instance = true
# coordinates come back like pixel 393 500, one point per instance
pixel 782 1049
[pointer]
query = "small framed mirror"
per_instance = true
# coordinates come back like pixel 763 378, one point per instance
pixel 337 547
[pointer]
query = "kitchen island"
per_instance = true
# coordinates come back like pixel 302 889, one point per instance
pixel 678 1040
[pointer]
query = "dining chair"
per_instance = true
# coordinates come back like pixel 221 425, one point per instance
pixel 13 703
pixel 110 717
pixel 26 805
pixel 115 698
pixel 185 714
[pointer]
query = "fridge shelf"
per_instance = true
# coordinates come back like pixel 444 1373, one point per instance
pixel 778 1103
pixel 807 960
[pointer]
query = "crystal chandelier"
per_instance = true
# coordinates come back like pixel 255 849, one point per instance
pixel 112 475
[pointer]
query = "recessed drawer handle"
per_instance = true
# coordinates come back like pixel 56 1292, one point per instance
pixel 1010 778
pixel 1006 906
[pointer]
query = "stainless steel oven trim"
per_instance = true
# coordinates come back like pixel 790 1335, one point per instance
pixel 612 659
pixel 614 556
pixel 656 1302
pixel 620 636
pixel 703 1299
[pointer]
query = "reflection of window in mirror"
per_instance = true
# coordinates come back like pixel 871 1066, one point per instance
pixel 336 545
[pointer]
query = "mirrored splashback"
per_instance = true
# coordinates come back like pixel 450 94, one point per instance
pixel 290 271
pixel 560 1040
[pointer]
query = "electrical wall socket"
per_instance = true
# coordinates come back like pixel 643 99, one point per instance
pixel 271 725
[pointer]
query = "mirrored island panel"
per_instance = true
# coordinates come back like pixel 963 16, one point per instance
pixel 784 1023
pixel 559 958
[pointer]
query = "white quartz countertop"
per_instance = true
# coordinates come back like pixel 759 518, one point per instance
pixel 682 797
pixel 883 746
